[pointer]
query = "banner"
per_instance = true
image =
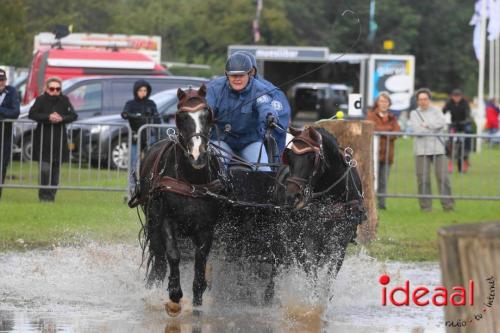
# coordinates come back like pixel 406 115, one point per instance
pixel 395 77
pixel 494 23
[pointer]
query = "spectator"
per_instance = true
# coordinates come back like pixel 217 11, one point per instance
pixel 384 121
pixel 52 111
pixel 492 112
pixel 461 122
pixel 9 109
pixel 139 111
pixel 427 119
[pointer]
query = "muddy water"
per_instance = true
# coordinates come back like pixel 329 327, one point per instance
pixel 100 288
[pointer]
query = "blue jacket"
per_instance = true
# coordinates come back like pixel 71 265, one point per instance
pixel 244 113
pixel 282 106
pixel 9 109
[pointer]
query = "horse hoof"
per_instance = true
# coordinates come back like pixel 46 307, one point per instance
pixel 173 309
pixel 208 275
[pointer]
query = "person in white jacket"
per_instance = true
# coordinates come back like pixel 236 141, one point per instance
pixel 429 150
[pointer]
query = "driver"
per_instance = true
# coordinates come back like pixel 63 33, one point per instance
pixel 243 111
pixel 279 102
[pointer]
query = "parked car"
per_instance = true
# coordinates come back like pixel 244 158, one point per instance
pixel 97 96
pixel 323 99
pixel 104 139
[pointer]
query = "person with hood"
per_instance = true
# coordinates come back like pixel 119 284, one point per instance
pixel 139 111
pixel 52 111
pixel 9 109
pixel 243 111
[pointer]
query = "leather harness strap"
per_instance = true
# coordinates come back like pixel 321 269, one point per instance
pixel 173 185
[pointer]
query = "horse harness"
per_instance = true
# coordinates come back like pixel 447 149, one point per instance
pixel 161 183
pixel 305 145
pixel 315 146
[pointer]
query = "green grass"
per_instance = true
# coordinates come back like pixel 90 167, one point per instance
pixel 404 233
pixel 74 218
pixel 85 174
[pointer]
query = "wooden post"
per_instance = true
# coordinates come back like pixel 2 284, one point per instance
pixel 358 134
pixel 472 252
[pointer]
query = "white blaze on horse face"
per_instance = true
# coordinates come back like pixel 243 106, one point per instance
pixel 196 139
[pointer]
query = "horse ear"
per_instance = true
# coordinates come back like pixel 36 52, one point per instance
pixel 315 135
pixel 180 94
pixel 295 131
pixel 203 90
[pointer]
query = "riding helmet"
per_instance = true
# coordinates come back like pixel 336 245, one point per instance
pixel 238 64
pixel 251 57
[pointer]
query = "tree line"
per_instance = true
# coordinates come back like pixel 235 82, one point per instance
pixel 199 31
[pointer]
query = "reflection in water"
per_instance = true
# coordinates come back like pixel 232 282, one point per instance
pixel 101 289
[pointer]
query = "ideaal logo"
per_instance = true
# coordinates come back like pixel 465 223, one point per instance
pixel 439 296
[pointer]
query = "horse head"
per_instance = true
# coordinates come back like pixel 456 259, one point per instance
pixel 304 155
pixel 194 120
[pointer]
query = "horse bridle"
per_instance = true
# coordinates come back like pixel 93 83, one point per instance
pixel 191 109
pixel 310 147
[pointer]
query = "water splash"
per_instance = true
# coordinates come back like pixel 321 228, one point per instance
pixel 101 288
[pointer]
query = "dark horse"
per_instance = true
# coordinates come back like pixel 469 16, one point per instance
pixel 324 188
pixel 174 176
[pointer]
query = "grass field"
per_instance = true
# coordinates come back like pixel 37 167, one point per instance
pixel 404 233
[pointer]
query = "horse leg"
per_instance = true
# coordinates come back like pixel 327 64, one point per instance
pixel 157 248
pixel 269 292
pixel 203 242
pixel 173 256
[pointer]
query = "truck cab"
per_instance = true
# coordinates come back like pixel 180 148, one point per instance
pixel 73 63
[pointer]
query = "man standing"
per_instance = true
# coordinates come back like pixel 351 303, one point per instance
pixel 51 110
pixel 459 109
pixel 430 149
pixel 9 109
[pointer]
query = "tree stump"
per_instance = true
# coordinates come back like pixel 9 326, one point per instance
pixel 472 252
pixel 358 134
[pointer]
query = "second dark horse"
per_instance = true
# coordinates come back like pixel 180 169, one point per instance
pixel 325 190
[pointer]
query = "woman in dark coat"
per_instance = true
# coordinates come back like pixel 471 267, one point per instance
pixel 52 110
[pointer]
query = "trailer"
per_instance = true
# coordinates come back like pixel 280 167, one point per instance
pixel 365 74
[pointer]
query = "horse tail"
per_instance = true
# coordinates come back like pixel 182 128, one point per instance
pixel 152 242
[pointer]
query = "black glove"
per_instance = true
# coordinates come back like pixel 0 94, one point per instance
pixel 271 121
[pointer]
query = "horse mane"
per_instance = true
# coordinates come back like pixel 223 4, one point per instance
pixel 191 97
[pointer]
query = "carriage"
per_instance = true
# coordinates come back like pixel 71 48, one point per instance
pixel 305 210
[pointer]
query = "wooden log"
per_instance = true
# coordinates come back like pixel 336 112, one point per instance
pixel 472 252
pixel 358 134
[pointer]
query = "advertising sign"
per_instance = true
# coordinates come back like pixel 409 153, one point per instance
pixel 355 105
pixel 393 75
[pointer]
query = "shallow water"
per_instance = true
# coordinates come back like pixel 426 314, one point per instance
pixel 100 288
